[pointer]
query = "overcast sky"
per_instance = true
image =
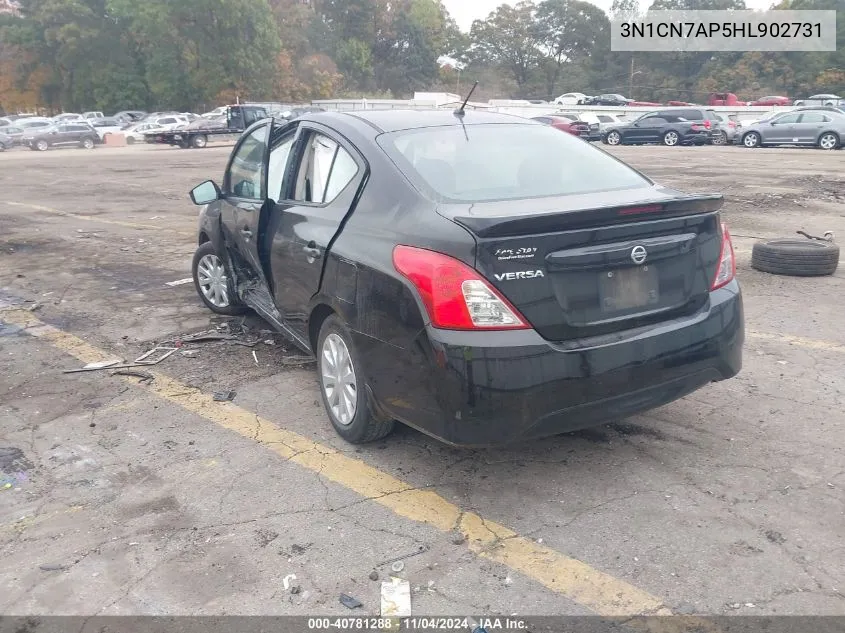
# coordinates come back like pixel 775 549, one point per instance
pixel 465 11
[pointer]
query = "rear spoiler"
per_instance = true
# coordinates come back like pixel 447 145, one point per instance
pixel 548 222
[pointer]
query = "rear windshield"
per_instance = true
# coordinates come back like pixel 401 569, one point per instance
pixel 490 162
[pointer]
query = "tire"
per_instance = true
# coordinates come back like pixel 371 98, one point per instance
pixel 798 103
pixel 752 140
pixel 671 139
pixel 360 425
pixel 829 103
pixel 87 143
pixel 612 138
pixel 797 258
pixel 720 139
pixel 829 140
pixel 41 146
pixel 227 304
pixel 130 140
pixel 199 141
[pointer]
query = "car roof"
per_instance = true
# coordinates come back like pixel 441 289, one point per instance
pixel 395 120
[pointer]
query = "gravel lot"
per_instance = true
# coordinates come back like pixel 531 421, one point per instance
pixel 126 498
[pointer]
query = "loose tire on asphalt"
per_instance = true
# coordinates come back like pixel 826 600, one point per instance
pixel 365 425
pixel 794 257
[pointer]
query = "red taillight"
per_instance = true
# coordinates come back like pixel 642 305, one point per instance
pixel 726 270
pixel 455 296
pixel 731 123
pixel 695 127
pixel 707 124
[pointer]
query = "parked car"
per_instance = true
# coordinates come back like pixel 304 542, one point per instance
pixel 608 100
pixel 64 135
pixel 136 133
pixel 679 103
pixel 33 123
pixel 14 132
pixel 729 125
pixel 772 101
pixel 215 113
pixel 527 283
pixel 93 115
pixel 571 98
pixel 586 117
pixel 4 121
pixel 819 128
pixel 608 120
pixel 644 104
pixel 128 117
pixel 839 110
pixel 105 126
pixel 6 142
pixel 669 126
pixel 823 100
pixel 566 124
pixel 67 117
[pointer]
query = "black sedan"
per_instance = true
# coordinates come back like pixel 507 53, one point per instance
pixel 666 130
pixel 480 277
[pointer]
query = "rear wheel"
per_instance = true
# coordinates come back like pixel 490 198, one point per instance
pixel 87 143
pixel 671 138
pixel 213 283
pixel 343 388
pixel 829 140
pixel 613 138
pixel 199 141
pixel 720 139
pixel 752 139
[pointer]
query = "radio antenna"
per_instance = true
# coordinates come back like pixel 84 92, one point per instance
pixel 462 110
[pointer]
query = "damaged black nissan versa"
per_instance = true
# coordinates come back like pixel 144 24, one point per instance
pixel 480 277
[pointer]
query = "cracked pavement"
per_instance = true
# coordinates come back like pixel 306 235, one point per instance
pixel 122 502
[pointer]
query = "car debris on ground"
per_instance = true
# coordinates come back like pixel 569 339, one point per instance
pixel 396 598
pixel 349 602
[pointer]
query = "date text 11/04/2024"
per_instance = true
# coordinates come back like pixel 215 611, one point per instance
pixel 462 624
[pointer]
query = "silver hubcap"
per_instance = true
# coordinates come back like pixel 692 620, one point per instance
pixel 671 138
pixel 828 141
pixel 613 138
pixel 211 276
pixel 720 139
pixel 41 145
pixel 88 144
pixel 339 384
pixel 751 140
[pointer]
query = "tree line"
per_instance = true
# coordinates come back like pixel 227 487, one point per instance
pixel 193 54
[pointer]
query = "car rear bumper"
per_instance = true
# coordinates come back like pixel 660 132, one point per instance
pixel 488 388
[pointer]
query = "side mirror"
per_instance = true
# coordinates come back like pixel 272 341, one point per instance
pixel 205 193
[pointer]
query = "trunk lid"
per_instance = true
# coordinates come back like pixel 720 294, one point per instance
pixel 594 264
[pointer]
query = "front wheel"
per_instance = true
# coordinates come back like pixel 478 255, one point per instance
pixel 752 139
pixel 613 138
pixel 87 143
pixel 720 139
pixel 343 388
pixel 828 140
pixel 671 138
pixel 42 146
pixel 212 282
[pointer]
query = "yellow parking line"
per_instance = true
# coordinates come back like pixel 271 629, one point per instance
pixel 93 218
pixel 602 593
pixel 800 341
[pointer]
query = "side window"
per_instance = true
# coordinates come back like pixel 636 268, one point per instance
pixel 279 155
pixel 246 171
pixel 167 121
pixel 343 172
pixel 654 120
pixel 814 117
pixel 313 176
pixel 543 119
pixel 325 171
pixel 789 118
pixel 605 119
